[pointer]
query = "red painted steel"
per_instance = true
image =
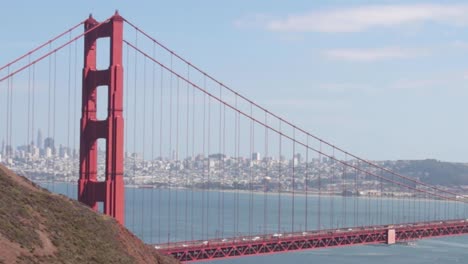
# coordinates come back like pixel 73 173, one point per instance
pixel 278 243
pixel 90 190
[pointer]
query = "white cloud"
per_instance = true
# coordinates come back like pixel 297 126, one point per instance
pixel 451 80
pixel 357 19
pixel 343 88
pixel 417 84
pixel 460 44
pixel 370 55
pixel 253 21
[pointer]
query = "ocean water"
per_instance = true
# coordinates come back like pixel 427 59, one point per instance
pixel 161 215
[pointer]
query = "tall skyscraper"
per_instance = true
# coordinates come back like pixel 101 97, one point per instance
pixel 256 156
pixel 49 143
pixel 39 139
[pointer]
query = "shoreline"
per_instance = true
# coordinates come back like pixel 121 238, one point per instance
pixel 261 193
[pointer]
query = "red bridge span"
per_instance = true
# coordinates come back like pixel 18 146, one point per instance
pixel 289 242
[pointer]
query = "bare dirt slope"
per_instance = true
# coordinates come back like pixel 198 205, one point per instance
pixel 37 226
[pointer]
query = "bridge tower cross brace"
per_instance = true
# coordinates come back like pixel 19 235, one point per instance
pixel 110 191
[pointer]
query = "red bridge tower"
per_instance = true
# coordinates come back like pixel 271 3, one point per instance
pixel 90 190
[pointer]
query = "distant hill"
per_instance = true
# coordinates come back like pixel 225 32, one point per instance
pixel 37 226
pixel 432 171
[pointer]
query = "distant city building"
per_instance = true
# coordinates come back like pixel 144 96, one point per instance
pixel 48 152
pixel 39 139
pixel 9 151
pixel 299 157
pixel 49 143
pixel 296 159
pixel 35 152
pixel 64 152
pixel 256 156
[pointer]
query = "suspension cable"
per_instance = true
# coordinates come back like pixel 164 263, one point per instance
pixel 283 120
pixel 10 74
pixel 282 134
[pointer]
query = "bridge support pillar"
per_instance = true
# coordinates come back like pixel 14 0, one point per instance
pixel 111 191
pixel 391 239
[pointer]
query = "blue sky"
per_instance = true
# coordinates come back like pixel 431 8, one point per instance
pixel 384 79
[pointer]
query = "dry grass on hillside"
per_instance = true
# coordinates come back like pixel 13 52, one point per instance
pixel 37 226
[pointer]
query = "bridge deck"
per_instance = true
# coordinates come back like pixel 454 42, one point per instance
pixel 276 243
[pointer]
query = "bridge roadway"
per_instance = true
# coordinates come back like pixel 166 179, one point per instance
pixel 276 243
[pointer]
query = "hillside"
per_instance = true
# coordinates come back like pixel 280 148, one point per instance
pixel 37 226
pixel 432 171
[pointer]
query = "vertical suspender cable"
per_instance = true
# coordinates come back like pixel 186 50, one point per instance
pixel 209 169
pixel 126 112
pixel 344 194
pixel 187 172
pixel 456 216
pixel 306 183
pixel 48 116
pixel 279 178
pixel 33 103
pixel 143 165
pixel 54 114
pixel 319 171
pixel 414 205
pixel 425 215
pixel 75 115
pixel 251 149
pixel 192 211
pixel 204 166
pixel 404 207
pixel 10 141
pixel 293 179
pixel 266 181
pixel 393 199
pixel 219 169
pixel 419 207
pixel 368 207
pixel 236 185
pixel 222 109
pixel 223 171
pixel 169 209
pixel 252 200
pixel 153 143
pixel 11 117
pixel 28 143
pixel 355 196
pixel 127 115
pixel 238 128
pixel 176 162
pixel 7 116
pixel 134 132
pixel 381 202
pixel 69 109
pixel 332 198
pixel 160 149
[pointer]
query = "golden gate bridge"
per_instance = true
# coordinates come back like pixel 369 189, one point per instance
pixel 192 145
